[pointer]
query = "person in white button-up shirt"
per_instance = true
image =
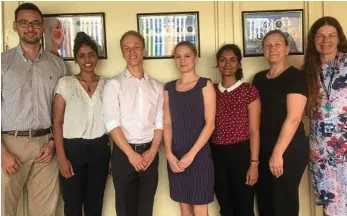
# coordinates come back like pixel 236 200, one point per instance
pixel 133 114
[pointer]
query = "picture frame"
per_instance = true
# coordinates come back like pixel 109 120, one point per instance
pixel 93 24
pixel 162 31
pixel 256 24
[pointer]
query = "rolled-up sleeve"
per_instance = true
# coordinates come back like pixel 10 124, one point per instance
pixel 111 108
pixel 159 116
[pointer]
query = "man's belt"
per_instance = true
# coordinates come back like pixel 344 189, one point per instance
pixel 29 133
pixel 141 147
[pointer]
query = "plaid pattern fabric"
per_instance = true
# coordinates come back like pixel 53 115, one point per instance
pixel 27 89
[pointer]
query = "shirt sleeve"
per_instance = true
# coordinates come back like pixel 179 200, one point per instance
pixel 297 83
pixel 252 94
pixel 166 86
pixel 159 117
pixel 255 80
pixel 64 68
pixel 62 65
pixel 60 88
pixel 111 108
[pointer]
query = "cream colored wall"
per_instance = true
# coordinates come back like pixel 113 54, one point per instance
pixel 9 36
pixel 220 22
pixel 337 10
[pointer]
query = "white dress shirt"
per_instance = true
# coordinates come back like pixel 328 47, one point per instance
pixel 135 105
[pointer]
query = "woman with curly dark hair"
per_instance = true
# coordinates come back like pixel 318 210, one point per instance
pixel 326 71
pixel 80 134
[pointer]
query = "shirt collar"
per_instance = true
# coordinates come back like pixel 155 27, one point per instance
pixel 231 88
pixel 24 57
pixel 127 75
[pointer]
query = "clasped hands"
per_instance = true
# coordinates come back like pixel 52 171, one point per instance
pixel 11 164
pixel 142 162
pixel 178 166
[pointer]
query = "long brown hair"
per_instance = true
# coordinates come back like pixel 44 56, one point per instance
pixel 312 61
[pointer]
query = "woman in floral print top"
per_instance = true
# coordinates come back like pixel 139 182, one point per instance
pixel 326 69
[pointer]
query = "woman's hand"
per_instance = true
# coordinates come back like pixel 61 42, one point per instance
pixel 186 160
pixel 173 163
pixel 65 167
pixel 276 164
pixel 252 174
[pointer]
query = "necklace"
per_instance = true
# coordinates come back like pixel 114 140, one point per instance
pixel 89 89
pixel 327 89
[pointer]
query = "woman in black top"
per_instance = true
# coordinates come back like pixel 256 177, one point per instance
pixel 283 144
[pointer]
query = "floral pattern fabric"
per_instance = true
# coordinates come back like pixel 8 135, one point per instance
pixel 328 152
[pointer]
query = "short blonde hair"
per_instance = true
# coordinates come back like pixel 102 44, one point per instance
pixel 133 33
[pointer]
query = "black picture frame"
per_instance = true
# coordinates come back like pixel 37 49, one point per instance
pixel 162 31
pixel 92 24
pixel 255 25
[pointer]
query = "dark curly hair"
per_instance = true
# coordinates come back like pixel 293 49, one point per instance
pixel 237 51
pixel 83 39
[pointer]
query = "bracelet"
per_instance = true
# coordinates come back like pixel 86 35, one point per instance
pixel 254 161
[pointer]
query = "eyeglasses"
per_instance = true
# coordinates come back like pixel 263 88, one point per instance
pixel 25 24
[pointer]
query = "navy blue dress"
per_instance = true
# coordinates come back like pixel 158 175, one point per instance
pixel 195 185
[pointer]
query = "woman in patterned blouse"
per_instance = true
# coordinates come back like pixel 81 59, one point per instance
pixel 235 140
pixel 326 70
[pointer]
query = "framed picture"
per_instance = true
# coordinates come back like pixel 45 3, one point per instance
pixel 93 24
pixel 162 31
pixel 255 25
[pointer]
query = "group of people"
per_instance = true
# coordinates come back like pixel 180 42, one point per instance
pixel 231 139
